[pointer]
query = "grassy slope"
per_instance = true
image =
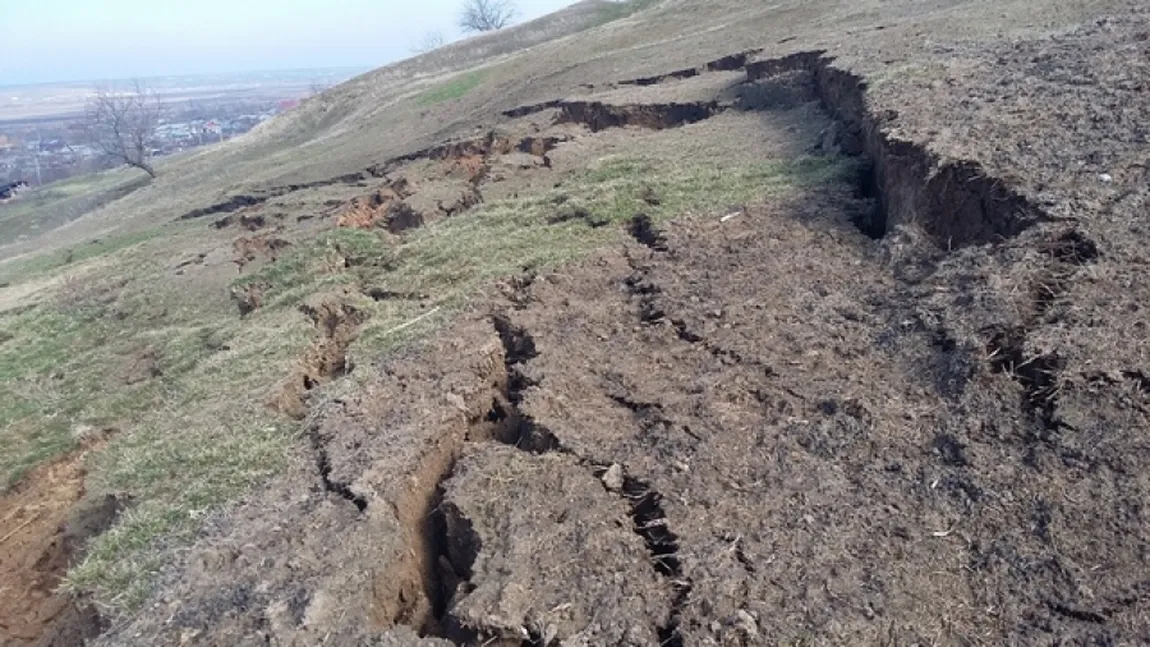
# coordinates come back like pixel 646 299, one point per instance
pixel 199 433
pixel 115 342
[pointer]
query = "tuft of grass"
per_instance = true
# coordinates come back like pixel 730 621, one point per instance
pixel 454 89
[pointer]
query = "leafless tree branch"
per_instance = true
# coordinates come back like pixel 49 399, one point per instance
pixel 122 122
pixel 432 40
pixel 486 15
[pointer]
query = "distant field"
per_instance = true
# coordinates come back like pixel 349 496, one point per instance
pixel 50 101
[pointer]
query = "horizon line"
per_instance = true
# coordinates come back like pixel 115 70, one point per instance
pixel 6 85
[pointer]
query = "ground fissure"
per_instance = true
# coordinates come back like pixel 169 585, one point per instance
pixel 787 420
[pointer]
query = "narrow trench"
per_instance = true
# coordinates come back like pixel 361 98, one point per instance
pixel 598 116
pixel 323 466
pixel 643 230
pixel 650 523
pixel 1038 376
pixel 956 203
pixel 506 423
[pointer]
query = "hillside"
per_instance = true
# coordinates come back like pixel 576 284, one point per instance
pixel 662 323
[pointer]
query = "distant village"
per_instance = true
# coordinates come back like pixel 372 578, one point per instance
pixel 40 152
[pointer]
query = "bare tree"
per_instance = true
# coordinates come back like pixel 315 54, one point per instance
pixel 122 123
pixel 486 15
pixel 432 40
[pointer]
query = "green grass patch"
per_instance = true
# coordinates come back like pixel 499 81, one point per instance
pixel 40 263
pixel 66 367
pixel 179 476
pixel 453 89
pixel 209 437
pixel 52 205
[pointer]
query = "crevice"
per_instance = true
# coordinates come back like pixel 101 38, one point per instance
pixel 323 467
pixel 649 521
pixel 643 230
pixel 238 202
pixel 235 203
pixel 447 544
pixel 523 111
pixel 521 430
pixel 638 408
pixel 1037 374
pixel 1081 615
pixel 383 294
pixel 733 62
pixel 337 326
pixel 955 202
pixel 655 80
pixel 598 116
pixel 684 332
pixel 571 212
pixel 730 63
pixel 741 556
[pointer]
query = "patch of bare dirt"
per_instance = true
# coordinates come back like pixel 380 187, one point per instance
pixel 45 525
pixel 249 297
pixel 252 249
pixel 138 365
pixel 383 208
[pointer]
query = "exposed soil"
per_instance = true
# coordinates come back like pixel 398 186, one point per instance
pixel 384 209
pixel 138 365
pixel 249 297
pixel 45 531
pixel 879 411
pixel 251 249
pixel 337 325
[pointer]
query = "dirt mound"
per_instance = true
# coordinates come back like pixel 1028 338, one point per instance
pixel 44 533
pixel 493 546
pixel 383 208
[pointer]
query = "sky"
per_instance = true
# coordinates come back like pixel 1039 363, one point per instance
pixel 48 41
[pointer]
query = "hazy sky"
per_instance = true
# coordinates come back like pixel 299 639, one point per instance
pixel 80 40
